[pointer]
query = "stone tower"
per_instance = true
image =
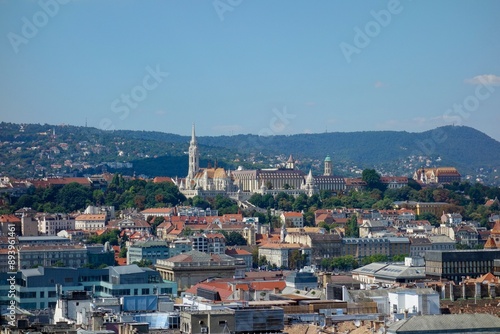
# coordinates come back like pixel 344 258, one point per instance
pixel 328 166
pixel 194 158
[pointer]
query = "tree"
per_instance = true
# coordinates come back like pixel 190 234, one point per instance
pixel 200 202
pixel 399 257
pixel 414 184
pixel 374 258
pixel 123 252
pixel 143 263
pixel 296 259
pixel 235 239
pixel 255 257
pixel 157 221
pixel 324 225
pixel 372 179
pixel 256 199
pixel 430 217
pixel 59 263
pixel 352 228
pixel 300 203
pixel 346 262
pixel 186 232
pixel 384 204
pixel 74 196
pixel 263 261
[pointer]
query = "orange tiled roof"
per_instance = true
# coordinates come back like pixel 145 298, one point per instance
pixel 157 210
pixel 292 214
pixel 9 219
pixel 44 183
pixel 237 251
pixel 215 235
pixel 121 261
pixel 496 228
pixel 160 179
pixel 276 245
pixel 268 285
pixel 90 217
pixel 232 216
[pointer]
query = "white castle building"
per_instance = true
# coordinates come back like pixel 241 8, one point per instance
pixel 242 183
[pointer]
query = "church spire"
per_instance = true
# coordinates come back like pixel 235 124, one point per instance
pixel 283 232
pixel 194 157
pixel 193 136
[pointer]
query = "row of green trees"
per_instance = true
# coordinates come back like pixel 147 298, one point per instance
pixel 120 193
pixel 465 198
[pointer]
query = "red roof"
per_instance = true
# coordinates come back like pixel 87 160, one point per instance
pixel 9 219
pixel 158 210
pixel 44 183
pixel 237 251
pixel 292 214
pixel 160 179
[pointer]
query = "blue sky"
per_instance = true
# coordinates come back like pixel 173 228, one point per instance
pixel 261 67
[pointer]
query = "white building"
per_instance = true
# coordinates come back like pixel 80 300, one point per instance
pixel 451 218
pixel 51 224
pixel 292 219
pixel 89 222
pixel 279 253
pixel 413 302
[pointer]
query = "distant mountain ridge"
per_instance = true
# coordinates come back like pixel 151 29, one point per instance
pixel 157 153
pixel 456 145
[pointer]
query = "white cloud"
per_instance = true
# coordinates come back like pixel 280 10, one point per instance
pixel 379 84
pixel 484 79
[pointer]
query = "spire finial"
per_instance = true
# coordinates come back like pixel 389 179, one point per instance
pixel 193 135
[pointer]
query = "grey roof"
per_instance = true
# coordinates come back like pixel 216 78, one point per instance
pixel 197 256
pixel 33 272
pixel 391 270
pixel 440 238
pixel 146 244
pixel 130 269
pixel 359 295
pixel 42 238
pixel 394 271
pixel 447 323
pixel 370 268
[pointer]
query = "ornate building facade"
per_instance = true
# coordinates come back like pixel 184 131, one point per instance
pixel 440 175
pixel 242 183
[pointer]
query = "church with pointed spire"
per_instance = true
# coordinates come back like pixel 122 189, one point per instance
pixel 204 179
pixel 210 181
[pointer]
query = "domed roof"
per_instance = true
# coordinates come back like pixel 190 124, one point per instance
pixel 328 158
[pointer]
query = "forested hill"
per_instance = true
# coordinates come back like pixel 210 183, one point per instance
pixel 459 145
pixel 24 148
pixel 468 149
